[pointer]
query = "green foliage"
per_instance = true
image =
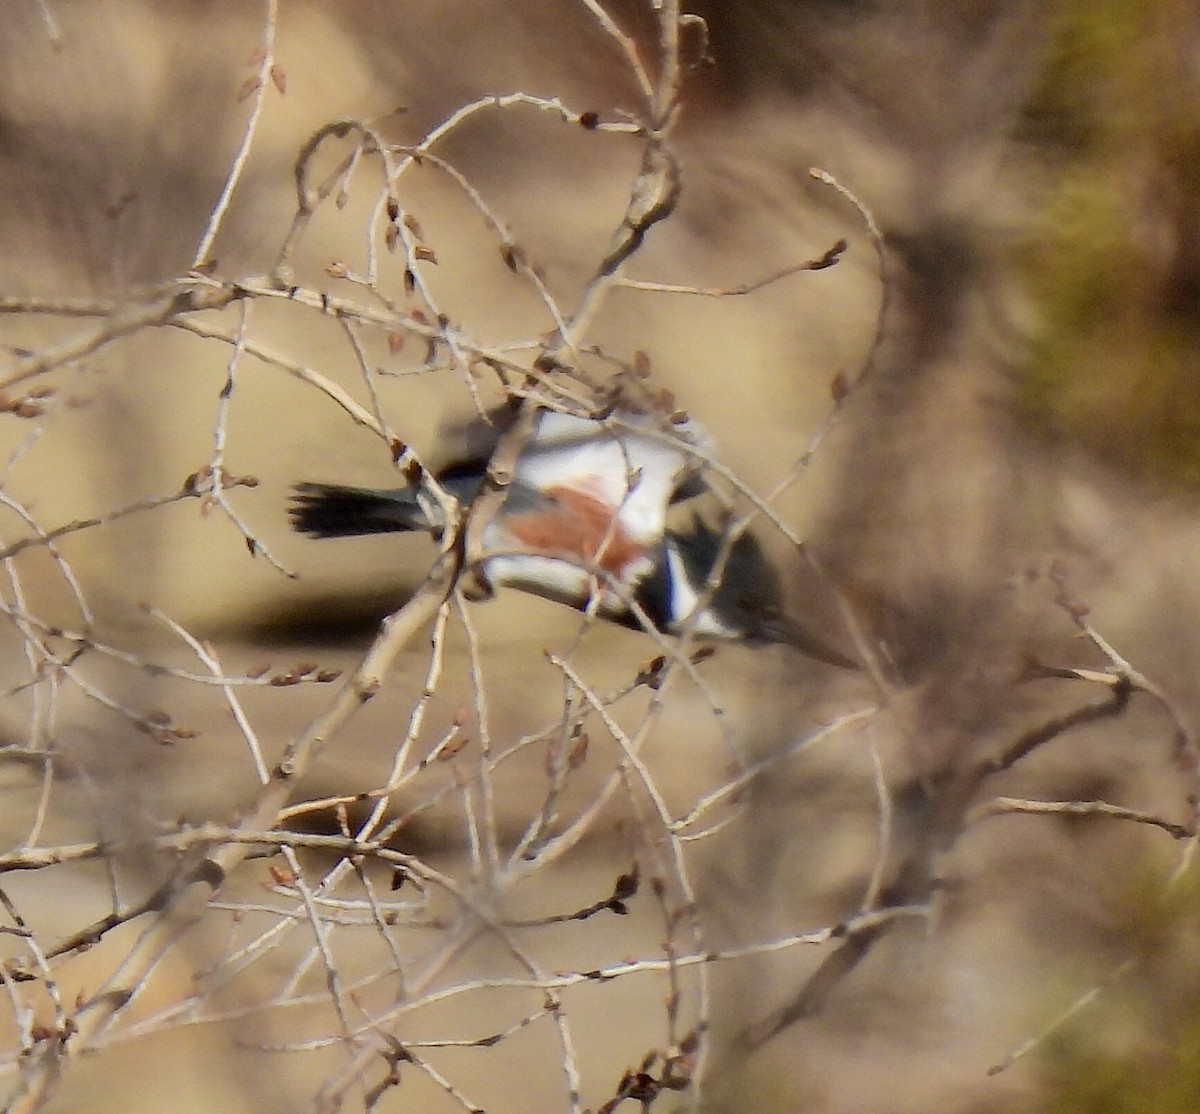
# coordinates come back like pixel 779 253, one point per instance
pixel 1165 1080
pixel 1137 1050
pixel 1114 261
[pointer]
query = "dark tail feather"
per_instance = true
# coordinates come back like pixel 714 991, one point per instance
pixel 331 511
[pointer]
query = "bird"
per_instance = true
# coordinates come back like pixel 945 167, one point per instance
pixel 584 522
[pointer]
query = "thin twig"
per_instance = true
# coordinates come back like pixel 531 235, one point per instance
pixel 261 84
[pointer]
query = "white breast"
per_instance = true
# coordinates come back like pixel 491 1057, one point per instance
pixel 634 471
pixel 556 579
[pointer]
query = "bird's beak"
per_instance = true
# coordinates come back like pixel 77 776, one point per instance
pixel 791 634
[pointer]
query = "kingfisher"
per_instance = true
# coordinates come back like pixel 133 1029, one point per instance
pixel 584 522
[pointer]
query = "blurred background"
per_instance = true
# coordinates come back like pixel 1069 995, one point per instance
pixel 1029 402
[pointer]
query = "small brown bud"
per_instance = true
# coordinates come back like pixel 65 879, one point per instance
pixel 451 749
pixel 513 256
pixel 577 755
pixel 281 876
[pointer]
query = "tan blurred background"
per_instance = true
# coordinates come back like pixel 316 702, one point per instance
pixel 1035 171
